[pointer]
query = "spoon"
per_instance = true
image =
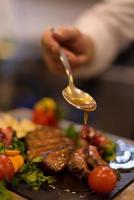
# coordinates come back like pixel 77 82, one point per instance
pixel 72 94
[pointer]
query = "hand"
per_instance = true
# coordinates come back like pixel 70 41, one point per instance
pixel 78 47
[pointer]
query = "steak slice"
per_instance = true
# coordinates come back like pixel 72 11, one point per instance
pixel 78 164
pixel 93 157
pixel 84 159
pixel 52 144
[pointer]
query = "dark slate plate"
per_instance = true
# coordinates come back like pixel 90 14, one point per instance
pixel 67 186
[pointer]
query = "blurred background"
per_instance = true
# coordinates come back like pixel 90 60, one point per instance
pixel 24 79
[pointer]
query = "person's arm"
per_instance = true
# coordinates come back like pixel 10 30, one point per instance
pixel 110 25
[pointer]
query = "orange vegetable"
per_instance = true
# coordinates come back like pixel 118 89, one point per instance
pixel 17 162
pixel 20 160
pixel 12 152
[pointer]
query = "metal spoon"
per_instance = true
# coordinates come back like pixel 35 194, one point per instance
pixel 72 94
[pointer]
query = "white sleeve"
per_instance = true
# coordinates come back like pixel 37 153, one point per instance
pixel 111 27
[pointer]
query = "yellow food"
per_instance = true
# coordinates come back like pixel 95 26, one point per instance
pixel 15 164
pixel 12 152
pixel 46 103
pixel 20 160
pixel 17 161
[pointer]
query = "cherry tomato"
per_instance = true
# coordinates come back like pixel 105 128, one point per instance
pixel 6 168
pixel 50 115
pixel 99 140
pixel 102 179
pixel 37 114
pixel 44 117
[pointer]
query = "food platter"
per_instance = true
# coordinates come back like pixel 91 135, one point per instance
pixel 67 187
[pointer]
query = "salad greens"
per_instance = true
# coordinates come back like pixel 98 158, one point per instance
pixel 33 176
pixel 18 144
pixel 71 132
pixel 2 148
pixel 37 159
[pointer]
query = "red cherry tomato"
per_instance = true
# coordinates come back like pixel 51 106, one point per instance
pixel 102 179
pixel 6 168
pixel 50 115
pixel 37 115
pixel 43 117
pixel 99 140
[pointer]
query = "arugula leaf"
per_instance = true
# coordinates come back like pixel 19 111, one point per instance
pixel 4 193
pixel 33 176
pixel 18 144
pixel 2 148
pixel 37 159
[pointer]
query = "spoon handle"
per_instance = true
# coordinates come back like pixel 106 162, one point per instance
pixel 66 64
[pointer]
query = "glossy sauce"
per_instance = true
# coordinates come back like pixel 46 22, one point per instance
pixel 79 99
pixel 86 116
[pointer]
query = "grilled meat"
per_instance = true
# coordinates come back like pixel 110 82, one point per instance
pixel 93 157
pixel 52 144
pixel 77 163
pixel 58 151
pixel 82 159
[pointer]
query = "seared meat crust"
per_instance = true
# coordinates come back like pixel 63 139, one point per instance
pixel 59 151
pixel 77 163
pixel 52 144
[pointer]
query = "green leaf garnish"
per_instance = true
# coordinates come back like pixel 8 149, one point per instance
pixel 71 132
pixel 37 159
pixel 2 148
pixel 18 144
pixel 33 176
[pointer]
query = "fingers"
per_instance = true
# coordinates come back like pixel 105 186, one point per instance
pixel 76 60
pixel 51 52
pixel 65 34
pixel 55 65
pixel 51 39
pixel 71 40
pixel 49 43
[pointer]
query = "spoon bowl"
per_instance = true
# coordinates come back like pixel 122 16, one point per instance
pixel 79 99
